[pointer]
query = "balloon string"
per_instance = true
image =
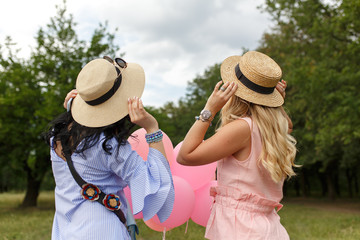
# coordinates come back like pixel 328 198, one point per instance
pixel 187 224
pixel 164 232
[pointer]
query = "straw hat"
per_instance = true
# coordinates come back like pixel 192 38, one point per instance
pixel 256 75
pixel 98 78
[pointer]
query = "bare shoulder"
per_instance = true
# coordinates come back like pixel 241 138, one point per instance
pixel 235 134
pixel 237 127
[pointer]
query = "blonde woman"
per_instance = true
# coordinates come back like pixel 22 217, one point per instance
pixel 253 149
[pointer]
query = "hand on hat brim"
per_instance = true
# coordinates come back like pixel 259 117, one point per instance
pixel 281 87
pixel 140 116
pixel 220 96
pixel 71 94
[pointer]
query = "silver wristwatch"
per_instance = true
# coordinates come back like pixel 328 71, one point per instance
pixel 205 115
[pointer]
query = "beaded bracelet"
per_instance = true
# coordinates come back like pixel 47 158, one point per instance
pixel 154 137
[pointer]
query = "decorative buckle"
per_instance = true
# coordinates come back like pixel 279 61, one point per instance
pixel 90 192
pixel 112 202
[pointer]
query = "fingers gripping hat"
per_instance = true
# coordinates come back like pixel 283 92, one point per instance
pixel 103 92
pixel 256 75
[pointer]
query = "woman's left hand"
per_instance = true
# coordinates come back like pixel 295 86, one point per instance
pixel 220 96
pixel 140 116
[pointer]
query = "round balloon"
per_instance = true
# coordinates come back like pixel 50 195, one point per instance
pixel 196 176
pixel 155 225
pixel 183 206
pixel 203 202
pixel 128 197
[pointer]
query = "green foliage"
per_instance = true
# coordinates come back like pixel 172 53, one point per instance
pixel 317 45
pixel 32 93
pixel 315 42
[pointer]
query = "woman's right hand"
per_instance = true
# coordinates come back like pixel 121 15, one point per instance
pixel 140 116
pixel 71 94
pixel 281 87
pixel 219 97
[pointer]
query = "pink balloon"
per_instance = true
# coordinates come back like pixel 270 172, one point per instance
pixel 203 202
pixel 196 176
pixel 182 210
pixel 128 197
pixel 139 144
pixel 155 225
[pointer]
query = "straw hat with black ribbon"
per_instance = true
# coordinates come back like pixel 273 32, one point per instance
pixel 256 75
pixel 103 92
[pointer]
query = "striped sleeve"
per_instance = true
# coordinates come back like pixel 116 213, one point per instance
pixel 150 182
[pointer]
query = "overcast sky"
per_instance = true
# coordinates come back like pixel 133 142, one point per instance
pixel 173 40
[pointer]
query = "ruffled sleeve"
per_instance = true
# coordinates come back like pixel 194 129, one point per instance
pixel 150 182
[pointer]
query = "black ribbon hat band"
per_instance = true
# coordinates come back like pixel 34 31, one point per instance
pixel 251 85
pixel 109 93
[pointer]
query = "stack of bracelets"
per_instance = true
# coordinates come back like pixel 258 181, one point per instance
pixel 154 137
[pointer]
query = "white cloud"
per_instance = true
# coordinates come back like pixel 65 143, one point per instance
pixel 173 40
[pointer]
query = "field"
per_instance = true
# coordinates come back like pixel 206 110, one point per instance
pixel 303 219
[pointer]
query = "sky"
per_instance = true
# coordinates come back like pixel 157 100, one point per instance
pixel 174 41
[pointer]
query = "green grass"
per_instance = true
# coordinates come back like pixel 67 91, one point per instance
pixel 30 223
pixel 303 218
pixel 321 219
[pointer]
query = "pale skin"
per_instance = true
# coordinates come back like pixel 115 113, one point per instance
pixel 142 118
pixel 138 116
pixel 232 139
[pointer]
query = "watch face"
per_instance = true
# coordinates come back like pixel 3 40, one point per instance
pixel 205 114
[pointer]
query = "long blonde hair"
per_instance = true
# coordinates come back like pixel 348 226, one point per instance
pixel 278 147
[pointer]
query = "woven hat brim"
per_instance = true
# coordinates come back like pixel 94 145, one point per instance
pixel 227 71
pixel 115 108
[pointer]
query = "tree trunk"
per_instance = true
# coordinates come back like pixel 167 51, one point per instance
pixel 356 183
pixel 304 184
pixel 330 185
pixel 285 188
pixel 336 183
pixel 324 186
pixel 349 178
pixel 32 190
pixel 297 187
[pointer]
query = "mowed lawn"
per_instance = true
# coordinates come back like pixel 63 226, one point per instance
pixel 303 219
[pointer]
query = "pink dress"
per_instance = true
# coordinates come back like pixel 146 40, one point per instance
pixel 246 198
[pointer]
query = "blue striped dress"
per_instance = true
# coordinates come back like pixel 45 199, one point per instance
pixel 150 183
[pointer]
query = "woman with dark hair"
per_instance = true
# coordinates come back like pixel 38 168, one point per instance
pixel 93 162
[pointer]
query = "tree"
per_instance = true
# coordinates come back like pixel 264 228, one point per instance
pixel 16 90
pixel 317 45
pixel 33 90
